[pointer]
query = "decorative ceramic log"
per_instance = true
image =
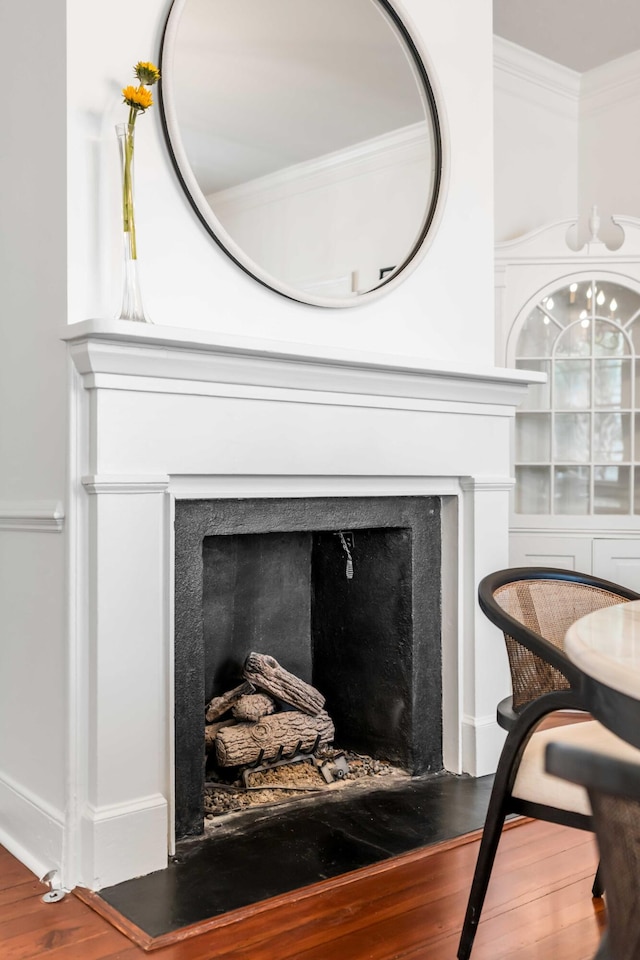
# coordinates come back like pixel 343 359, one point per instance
pixel 211 731
pixel 267 674
pixel 219 705
pixel 242 743
pixel 253 706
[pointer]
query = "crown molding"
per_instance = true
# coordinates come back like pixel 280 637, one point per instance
pixel 407 143
pixel 611 83
pixel 538 76
pixel 593 91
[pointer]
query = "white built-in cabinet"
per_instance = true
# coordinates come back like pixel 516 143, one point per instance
pixel 573 313
pixel 613 558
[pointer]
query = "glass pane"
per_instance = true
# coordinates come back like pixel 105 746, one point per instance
pixel 539 394
pixel 612 437
pixel 583 302
pixel 571 493
pixel 612 383
pixel 563 305
pixel 611 489
pixel 615 302
pixel 537 336
pixel 636 490
pixel 533 489
pixel 571 384
pixel 609 340
pixel 637 381
pixel 571 440
pixel 575 341
pixel 634 331
pixel 533 437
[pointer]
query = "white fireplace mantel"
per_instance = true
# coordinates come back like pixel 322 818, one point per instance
pixel 159 414
pixel 109 348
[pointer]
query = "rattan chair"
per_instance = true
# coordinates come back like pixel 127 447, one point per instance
pixel 613 787
pixel 534 607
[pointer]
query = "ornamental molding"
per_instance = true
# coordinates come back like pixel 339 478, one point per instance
pixel 535 78
pixel 487 484
pixel 612 83
pixel 40 516
pixel 120 484
pixel 169 360
pixel 556 243
pixel 405 145
pixel 530 76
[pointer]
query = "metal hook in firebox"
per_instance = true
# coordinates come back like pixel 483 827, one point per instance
pixel 345 540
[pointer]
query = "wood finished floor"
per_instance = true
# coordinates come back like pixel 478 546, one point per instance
pixel 539 907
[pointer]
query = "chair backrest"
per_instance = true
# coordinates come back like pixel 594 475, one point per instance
pixel 542 603
pixel 613 786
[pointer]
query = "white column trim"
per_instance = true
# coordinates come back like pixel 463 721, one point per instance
pixel 113 810
pixel 118 483
pixel 121 840
pixel 482 740
pixel 41 516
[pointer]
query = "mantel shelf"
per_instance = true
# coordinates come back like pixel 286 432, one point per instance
pixel 115 347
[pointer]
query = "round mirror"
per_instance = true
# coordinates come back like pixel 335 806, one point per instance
pixel 306 136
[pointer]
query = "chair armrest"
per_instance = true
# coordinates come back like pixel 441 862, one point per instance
pixel 506 715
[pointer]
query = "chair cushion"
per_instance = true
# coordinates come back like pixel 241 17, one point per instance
pixel 535 785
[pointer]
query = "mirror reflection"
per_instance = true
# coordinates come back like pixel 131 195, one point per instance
pixel 305 135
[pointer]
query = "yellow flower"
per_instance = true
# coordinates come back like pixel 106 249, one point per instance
pixel 146 72
pixel 138 98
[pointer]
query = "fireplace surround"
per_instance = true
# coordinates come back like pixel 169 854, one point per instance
pixel 269 576
pixel 161 417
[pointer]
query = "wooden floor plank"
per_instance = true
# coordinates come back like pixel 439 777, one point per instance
pixel 539 923
pixel 12 872
pixel 539 906
pixel 33 929
pixel 431 928
pixel 22 891
pixel 105 946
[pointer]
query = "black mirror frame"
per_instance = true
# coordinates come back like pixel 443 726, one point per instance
pixel 228 245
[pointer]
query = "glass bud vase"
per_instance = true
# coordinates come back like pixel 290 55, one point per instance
pixel 132 307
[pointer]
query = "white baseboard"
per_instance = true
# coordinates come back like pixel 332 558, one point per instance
pixel 30 828
pixel 482 741
pixel 124 840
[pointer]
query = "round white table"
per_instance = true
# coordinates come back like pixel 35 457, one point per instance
pixel 605 646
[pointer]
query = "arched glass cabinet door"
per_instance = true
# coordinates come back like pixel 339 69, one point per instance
pixel 578 435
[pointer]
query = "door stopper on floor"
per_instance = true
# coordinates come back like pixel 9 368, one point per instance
pixel 55 892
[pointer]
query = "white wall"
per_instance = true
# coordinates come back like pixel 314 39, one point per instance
pixel 60 262
pixel 536 140
pixel 610 140
pixel 188 282
pixel 32 426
